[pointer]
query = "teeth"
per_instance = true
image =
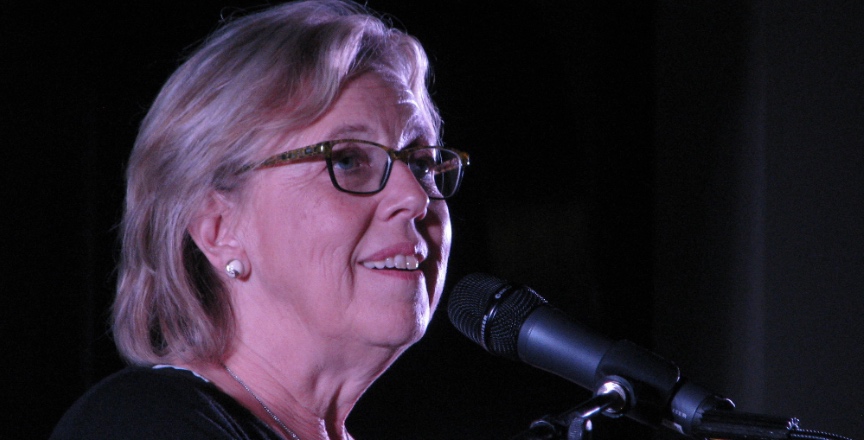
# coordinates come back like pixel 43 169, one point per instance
pixel 407 262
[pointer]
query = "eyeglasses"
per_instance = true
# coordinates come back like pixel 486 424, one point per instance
pixel 363 167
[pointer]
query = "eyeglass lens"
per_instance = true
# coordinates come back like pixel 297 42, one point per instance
pixel 363 168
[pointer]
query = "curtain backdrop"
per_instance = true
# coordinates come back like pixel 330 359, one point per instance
pixel 686 175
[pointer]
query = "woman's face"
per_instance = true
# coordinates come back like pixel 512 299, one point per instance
pixel 313 249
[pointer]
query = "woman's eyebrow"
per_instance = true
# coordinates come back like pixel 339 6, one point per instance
pixel 349 130
pixel 415 131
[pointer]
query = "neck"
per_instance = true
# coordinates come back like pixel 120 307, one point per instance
pixel 284 428
pixel 311 393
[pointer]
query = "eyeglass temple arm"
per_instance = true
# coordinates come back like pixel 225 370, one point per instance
pixel 451 164
pixel 288 156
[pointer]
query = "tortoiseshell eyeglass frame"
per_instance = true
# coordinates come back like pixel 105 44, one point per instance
pixel 326 149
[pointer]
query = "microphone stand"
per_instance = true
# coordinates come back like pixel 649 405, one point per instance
pixel 733 425
pixel 611 399
pixel 575 424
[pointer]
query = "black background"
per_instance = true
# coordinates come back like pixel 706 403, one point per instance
pixel 686 175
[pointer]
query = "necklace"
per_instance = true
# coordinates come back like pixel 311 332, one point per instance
pixel 249 390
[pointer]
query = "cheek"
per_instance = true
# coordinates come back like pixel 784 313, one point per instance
pixel 323 234
pixel 315 235
pixel 438 233
pixel 438 229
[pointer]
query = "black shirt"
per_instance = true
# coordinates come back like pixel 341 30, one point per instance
pixel 159 403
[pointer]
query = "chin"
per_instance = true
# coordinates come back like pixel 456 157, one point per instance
pixel 401 331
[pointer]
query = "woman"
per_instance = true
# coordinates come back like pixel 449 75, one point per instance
pixel 284 237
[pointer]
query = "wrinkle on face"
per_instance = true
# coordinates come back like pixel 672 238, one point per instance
pixel 307 238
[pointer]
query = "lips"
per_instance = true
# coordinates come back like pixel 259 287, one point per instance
pixel 401 262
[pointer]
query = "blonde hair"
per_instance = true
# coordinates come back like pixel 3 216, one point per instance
pixel 255 79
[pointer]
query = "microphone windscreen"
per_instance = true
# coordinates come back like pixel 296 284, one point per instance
pixel 490 311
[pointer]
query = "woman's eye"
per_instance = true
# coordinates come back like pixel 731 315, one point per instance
pixel 421 166
pixel 349 158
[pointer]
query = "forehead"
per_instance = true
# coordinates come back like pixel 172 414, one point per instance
pixel 373 109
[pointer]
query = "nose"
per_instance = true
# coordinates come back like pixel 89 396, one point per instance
pixel 403 194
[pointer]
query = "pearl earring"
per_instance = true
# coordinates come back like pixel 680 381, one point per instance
pixel 234 268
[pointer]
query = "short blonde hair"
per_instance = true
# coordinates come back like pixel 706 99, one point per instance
pixel 257 78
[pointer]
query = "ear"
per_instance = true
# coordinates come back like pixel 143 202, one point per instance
pixel 214 231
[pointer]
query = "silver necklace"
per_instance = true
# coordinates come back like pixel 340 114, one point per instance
pixel 249 390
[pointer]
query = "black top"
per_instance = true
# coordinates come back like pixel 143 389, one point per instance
pixel 159 403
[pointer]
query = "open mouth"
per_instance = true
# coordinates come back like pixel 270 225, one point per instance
pixel 403 262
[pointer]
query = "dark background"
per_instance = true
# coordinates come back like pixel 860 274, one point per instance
pixel 684 174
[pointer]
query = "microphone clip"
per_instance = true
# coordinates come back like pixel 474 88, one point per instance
pixel 611 399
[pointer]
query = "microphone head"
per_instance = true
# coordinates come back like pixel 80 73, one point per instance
pixel 490 311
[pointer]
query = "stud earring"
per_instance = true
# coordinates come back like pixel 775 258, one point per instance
pixel 234 268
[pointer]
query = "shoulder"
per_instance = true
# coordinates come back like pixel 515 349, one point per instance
pixel 165 403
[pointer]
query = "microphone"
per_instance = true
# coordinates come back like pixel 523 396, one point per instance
pixel 513 321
